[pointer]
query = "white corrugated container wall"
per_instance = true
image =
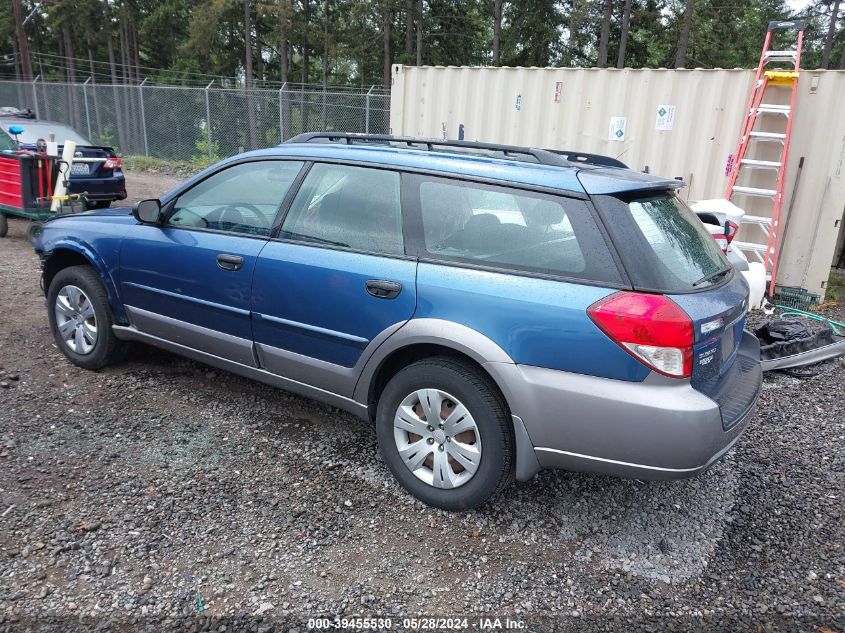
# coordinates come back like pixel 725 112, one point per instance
pixel 571 108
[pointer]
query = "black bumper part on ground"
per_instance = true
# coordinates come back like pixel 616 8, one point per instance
pixel 796 342
pixel 808 357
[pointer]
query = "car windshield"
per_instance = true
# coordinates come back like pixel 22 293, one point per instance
pixel 683 254
pixel 34 130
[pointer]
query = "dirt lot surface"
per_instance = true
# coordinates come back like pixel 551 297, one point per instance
pixel 163 495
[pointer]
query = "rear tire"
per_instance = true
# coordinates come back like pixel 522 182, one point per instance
pixel 99 204
pixel 4 225
pixel 81 318
pixel 452 462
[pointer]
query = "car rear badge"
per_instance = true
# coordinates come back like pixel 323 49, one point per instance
pixel 708 327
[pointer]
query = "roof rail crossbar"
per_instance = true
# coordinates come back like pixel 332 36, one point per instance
pixel 589 159
pixel 541 156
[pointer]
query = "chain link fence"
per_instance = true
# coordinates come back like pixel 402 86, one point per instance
pixel 199 124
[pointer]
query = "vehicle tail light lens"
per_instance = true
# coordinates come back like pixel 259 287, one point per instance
pixel 651 328
pixel 724 239
pixel 113 163
pixel 731 229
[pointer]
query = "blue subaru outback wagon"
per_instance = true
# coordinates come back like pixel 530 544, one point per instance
pixel 494 310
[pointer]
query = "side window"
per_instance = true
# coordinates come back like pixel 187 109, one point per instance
pixel 243 198
pixel 511 228
pixel 342 205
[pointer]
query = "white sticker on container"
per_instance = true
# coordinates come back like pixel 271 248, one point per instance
pixel 665 117
pixel 617 128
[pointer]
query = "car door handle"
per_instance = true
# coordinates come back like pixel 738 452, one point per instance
pixel 383 289
pixel 230 262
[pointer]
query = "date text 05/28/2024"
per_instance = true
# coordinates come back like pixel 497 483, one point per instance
pixel 417 624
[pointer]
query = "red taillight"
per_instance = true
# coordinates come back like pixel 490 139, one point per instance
pixel 724 239
pixel 113 163
pixel 652 328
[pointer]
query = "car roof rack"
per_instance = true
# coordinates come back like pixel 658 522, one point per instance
pixel 545 156
pixel 589 159
pixel 541 156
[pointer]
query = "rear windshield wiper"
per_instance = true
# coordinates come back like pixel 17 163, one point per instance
pixel 711 276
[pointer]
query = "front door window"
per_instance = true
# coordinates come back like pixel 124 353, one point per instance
pixel 244 198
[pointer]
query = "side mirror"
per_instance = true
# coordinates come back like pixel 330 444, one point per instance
pixel 147 211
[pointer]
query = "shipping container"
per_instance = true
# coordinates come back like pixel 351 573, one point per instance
pixel 678 123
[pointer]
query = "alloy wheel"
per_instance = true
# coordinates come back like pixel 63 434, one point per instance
pixel 76 321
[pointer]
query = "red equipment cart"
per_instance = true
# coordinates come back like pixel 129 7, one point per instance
pixel 26 187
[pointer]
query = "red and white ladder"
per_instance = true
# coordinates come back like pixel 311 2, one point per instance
pixel 753 139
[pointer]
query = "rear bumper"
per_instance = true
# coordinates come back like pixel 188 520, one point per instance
pixel 660 428
pixel 113 188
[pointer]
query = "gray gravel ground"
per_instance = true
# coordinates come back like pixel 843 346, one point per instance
pixel 162 495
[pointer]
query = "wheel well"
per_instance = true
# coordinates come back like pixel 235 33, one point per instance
pixel 59 260
pixel 405 356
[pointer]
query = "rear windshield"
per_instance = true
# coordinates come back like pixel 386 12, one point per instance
pixel 663 243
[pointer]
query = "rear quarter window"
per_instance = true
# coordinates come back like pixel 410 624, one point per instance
pixel 512 229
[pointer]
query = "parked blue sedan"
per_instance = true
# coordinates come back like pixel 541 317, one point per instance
pixel 102 182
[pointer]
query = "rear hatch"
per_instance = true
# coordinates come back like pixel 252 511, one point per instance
pixel 718 317
pixel 666 250
pixel 92 170
pixel 100 169
pixel 673 254
pixel 726 360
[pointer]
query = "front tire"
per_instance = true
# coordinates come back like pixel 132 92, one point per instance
pixel 81 319
pixel 4 225
pixel 445 433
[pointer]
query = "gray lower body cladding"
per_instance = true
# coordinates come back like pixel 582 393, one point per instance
pixel 661 428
